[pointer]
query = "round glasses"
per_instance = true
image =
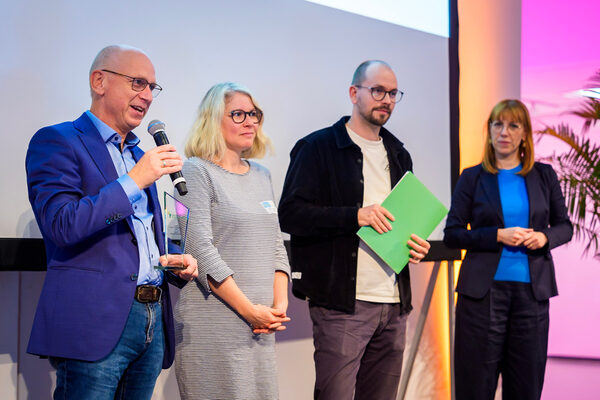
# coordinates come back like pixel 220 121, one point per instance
pixel 239 116
pixel 139 84
pixel 378 93
pixel 510 126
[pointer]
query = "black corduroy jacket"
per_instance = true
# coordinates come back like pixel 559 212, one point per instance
pixel 322 193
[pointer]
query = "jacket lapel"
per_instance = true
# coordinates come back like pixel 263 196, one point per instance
pixel 91 139
pixel 489 183
pixel 96 147
pixel 534 193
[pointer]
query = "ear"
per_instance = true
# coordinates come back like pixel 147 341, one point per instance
pixel 98 82
pixel 352 91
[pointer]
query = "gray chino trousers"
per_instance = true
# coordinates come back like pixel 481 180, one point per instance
pixel 358 353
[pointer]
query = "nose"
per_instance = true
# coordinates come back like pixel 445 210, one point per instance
pixel 248 121
pixel 387 98
pixel 146 94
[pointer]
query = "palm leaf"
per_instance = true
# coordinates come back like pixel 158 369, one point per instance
pixel 590 112
pixel 578 170
pixel 594 80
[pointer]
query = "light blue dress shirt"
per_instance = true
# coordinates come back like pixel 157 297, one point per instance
pixel 142 218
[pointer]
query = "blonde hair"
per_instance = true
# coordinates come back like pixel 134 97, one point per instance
pixel 206 137
pixel 511 110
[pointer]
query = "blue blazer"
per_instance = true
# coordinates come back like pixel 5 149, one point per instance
pixel 84 216
pixel 476 201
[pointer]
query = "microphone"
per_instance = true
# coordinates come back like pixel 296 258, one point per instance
pixel 156 128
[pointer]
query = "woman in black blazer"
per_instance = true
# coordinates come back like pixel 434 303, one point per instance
pixel 516 212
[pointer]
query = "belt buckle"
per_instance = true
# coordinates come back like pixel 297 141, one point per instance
pixel 148 293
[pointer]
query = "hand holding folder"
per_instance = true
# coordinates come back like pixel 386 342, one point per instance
pixel 415 210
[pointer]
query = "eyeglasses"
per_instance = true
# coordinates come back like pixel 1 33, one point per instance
pixel 378 93
pixel 139 84
pixel 512 126
pixel 239 116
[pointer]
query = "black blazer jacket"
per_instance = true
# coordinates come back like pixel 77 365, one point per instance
pixel 476 201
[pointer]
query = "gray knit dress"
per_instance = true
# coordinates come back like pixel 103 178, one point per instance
pixel 233 230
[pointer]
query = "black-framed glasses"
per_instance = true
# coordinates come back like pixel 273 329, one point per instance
pixel 378 93
pixel 239 116
pixel 139 84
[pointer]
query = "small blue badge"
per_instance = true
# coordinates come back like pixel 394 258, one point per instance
pixel 269 206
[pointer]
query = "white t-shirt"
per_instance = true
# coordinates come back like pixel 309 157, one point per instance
pixel 375 280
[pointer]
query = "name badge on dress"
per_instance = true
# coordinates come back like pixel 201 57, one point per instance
pixel 269 206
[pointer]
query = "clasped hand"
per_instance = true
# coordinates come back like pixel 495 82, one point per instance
pixel 265 319
pixel 517 236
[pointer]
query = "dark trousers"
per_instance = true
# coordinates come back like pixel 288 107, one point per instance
pixel 505 332
pixel 358 353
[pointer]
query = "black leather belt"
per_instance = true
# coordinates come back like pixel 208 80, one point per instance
pixel 148 293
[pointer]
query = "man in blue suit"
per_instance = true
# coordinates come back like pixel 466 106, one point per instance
pixel 104 316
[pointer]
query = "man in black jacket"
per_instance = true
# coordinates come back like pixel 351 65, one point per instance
pixel 336 181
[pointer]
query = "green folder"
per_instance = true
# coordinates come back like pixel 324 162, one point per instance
pixel 416 210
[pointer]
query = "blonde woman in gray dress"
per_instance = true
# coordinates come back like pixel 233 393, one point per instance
pixel 224 320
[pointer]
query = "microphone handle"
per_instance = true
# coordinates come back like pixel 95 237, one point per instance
pixel 179 182
pixel 160 138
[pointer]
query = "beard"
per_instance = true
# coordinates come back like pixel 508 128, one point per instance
pixel 379 119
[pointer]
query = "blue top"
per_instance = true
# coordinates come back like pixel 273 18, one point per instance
pixel 513 265
pixel 142 217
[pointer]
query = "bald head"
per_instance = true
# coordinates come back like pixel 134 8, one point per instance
pixel 373 85
pixel 361 71
pixel 117 98
pixel 109 55
pixel 114 58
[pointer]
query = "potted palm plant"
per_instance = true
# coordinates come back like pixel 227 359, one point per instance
pixel 578 168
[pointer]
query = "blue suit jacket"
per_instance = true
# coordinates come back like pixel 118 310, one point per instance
pixel 93 262
pixel 476 201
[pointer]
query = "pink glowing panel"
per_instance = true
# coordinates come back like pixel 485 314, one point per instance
pixel 560 51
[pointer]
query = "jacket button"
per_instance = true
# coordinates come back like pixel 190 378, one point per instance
pixel 353 254
pixel 358 205
pixel 134 241
pixel 359 160
pixel 362 181
pixel 133 277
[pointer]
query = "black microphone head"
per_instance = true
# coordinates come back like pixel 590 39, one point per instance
pixel 156 126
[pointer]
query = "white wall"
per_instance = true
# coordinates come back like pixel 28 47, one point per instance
pixel 297 58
